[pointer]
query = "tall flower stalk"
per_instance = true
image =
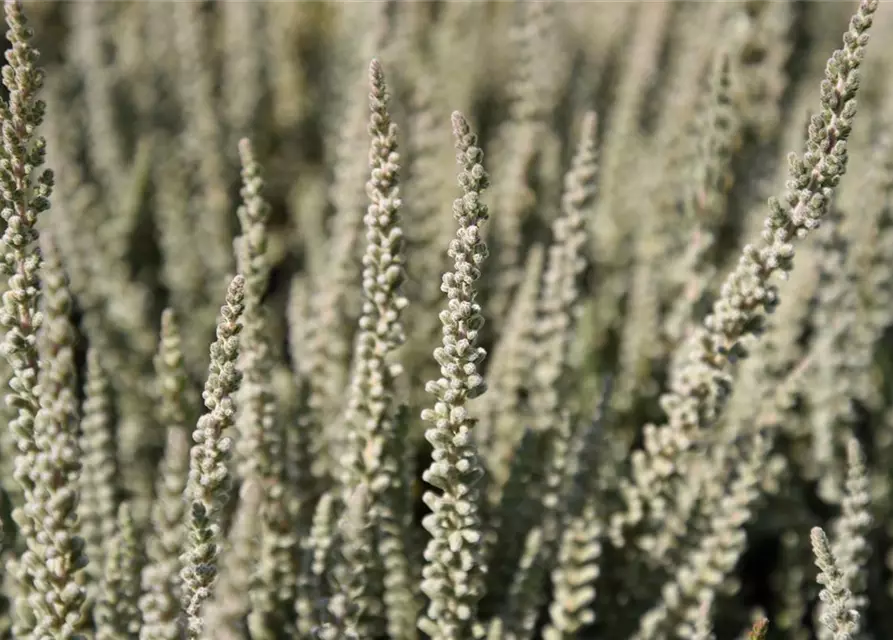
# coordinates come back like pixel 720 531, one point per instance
pixel 454 570
pixel 209 478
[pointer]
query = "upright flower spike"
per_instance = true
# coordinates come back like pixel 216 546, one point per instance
pixel 840 618
pixel 24 195
pixel 373 456
pixel 380 327
pixel 852 546
pixel 55 554
pixel 259 444
pixel 560 304
pixel 254 213
pixel 208 482
pixel 160 601
pixel 453 574
pixel 258 439
pixel 46 459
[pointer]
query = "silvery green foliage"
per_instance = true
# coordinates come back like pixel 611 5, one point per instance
pixel 705 567
pixel 311 529
pixel 700 389
pixel 558 313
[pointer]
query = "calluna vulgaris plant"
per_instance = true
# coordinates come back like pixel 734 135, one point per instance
pixel 274 370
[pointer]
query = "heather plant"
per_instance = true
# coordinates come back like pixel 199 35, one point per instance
pixel 274 369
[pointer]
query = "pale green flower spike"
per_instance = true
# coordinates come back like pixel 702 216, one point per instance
pixel 453 573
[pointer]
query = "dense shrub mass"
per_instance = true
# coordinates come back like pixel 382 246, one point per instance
pixel 634 382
